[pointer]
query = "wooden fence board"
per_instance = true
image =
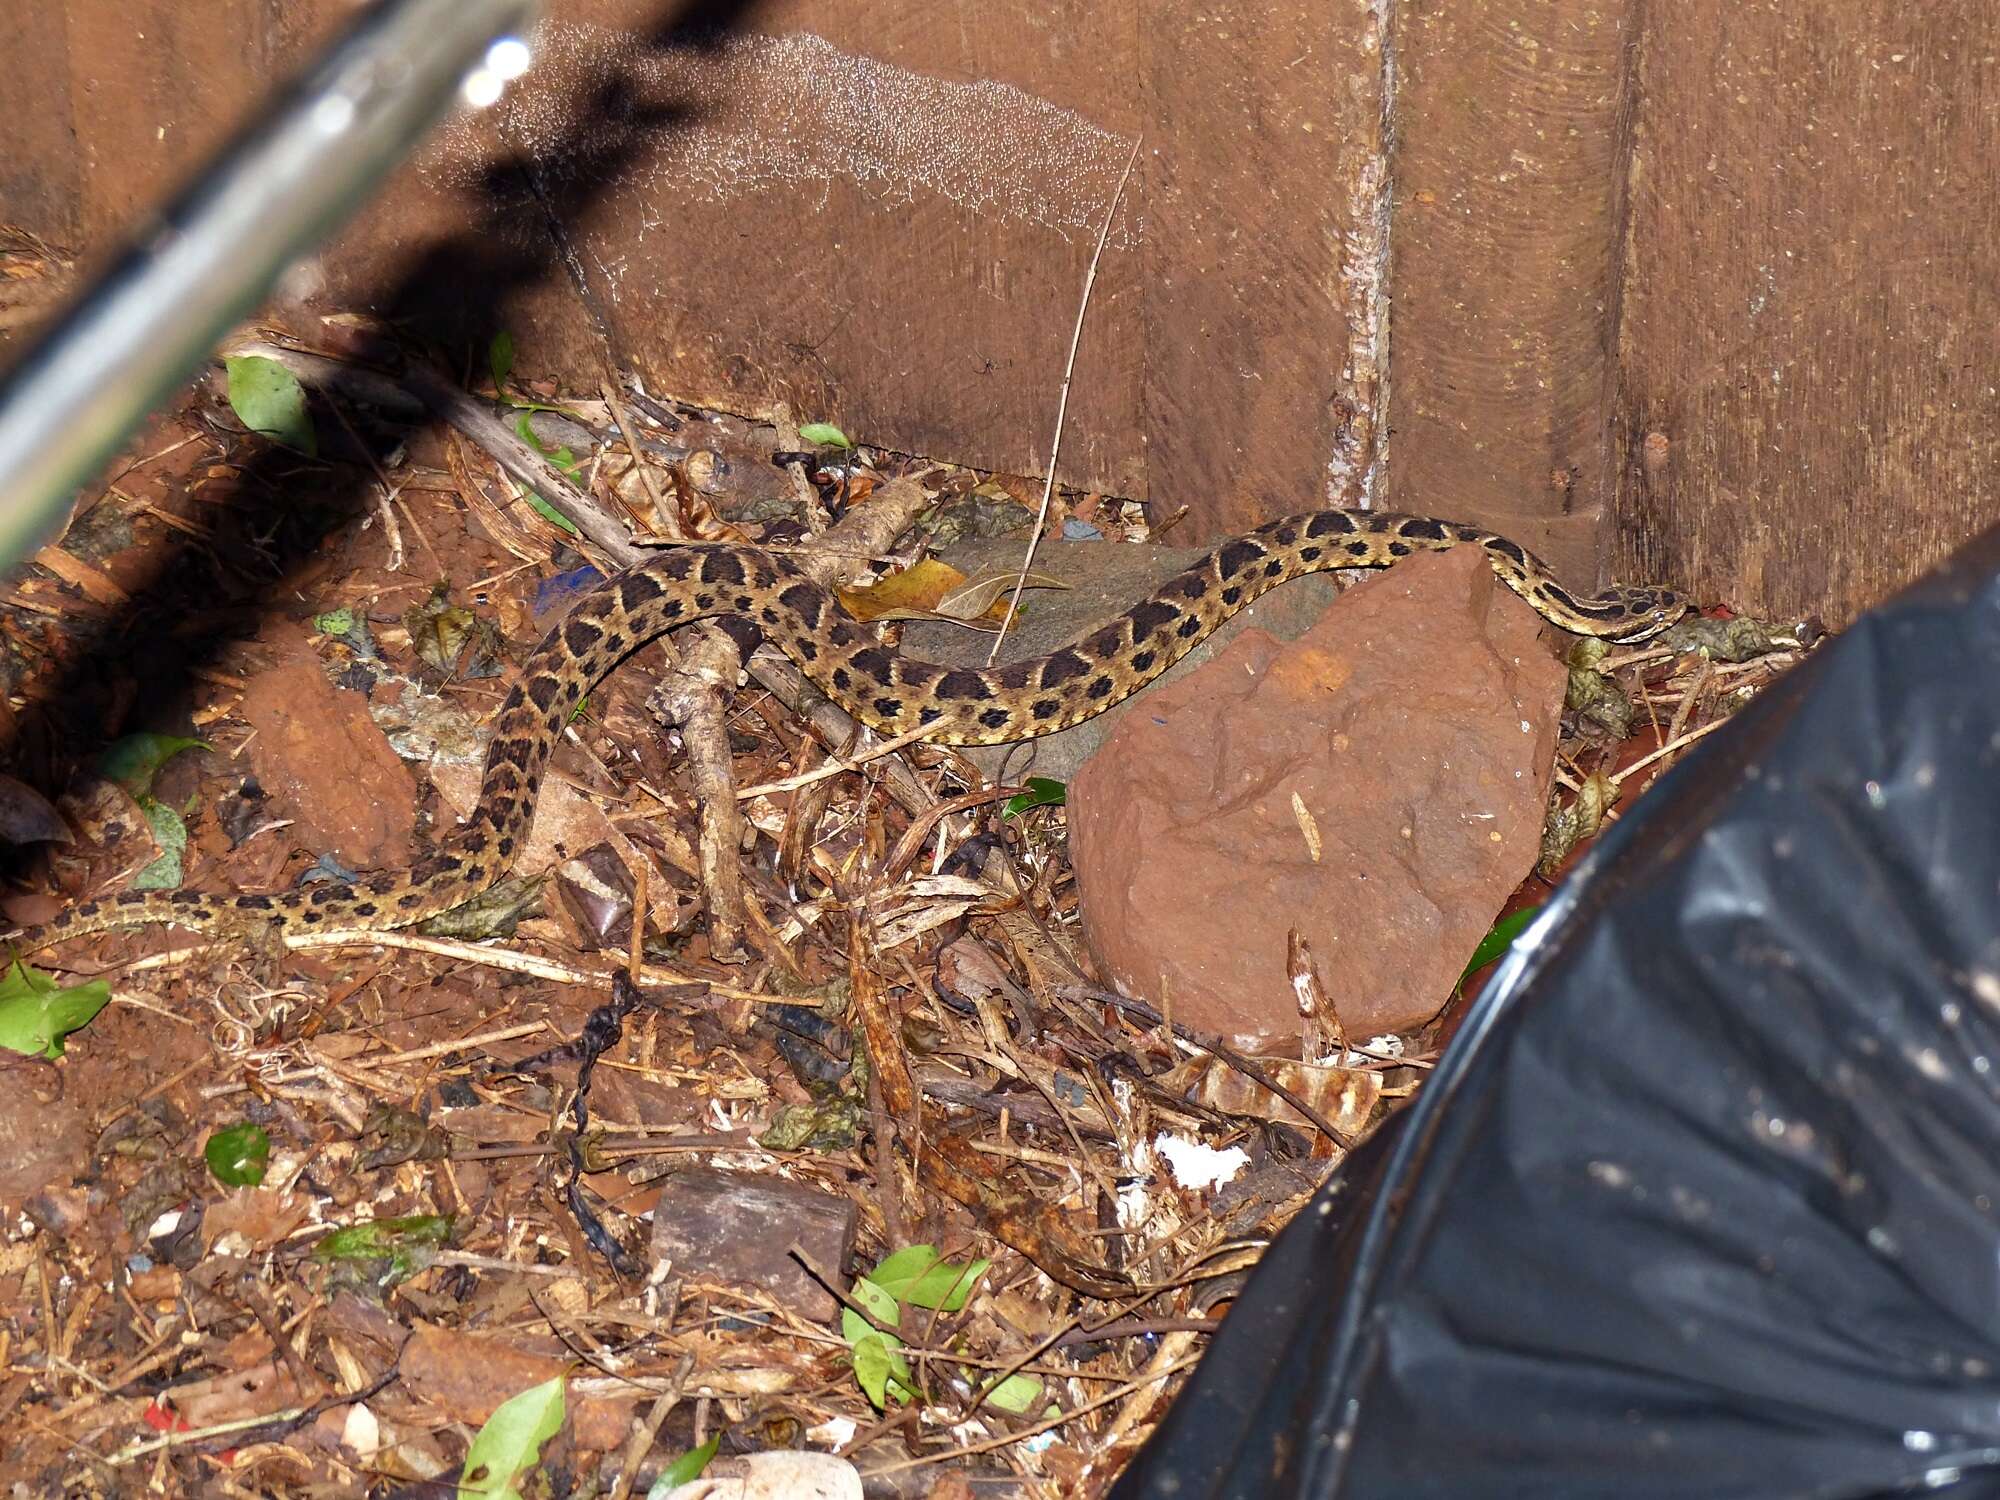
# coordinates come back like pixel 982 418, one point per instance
pixel 1808 411
pixel 1508 168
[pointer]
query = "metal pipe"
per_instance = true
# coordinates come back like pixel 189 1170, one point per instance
pixel 212 254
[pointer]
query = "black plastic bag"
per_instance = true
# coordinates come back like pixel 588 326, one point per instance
pixel 1704 1199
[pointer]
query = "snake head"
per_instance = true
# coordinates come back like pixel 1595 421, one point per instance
pixel 1651 610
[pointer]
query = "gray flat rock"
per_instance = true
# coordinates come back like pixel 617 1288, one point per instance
pixel 1105 579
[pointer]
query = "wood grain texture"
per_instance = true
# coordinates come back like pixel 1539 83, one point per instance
pixel 40 189
pixel 1808 412
pixel 1263 141
pixel 878 216
pixel 1507 166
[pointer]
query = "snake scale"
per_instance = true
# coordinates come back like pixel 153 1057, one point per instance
pixel 885 690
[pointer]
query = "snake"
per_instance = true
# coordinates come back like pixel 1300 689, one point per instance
pixel 882 688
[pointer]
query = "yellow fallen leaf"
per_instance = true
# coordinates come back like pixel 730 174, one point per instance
pixel 917 588
pixel 932 590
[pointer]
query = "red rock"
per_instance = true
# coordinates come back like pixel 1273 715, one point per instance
pixel 327 767
pixel 1413 729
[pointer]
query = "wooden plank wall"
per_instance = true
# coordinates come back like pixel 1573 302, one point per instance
pixel 1702 291
pixel 879 215
pixel 1809 359
pixel 1508 169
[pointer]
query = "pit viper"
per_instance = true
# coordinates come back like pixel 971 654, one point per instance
pixel 882 688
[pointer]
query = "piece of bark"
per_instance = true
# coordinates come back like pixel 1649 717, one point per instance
pixel 465 1376
pixel 739 1227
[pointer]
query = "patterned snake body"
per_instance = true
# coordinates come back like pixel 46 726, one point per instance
pixel 886 691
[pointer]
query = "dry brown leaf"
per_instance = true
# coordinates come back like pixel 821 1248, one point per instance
pixel 1346 1096
pixel 985 595
pixel 1024 492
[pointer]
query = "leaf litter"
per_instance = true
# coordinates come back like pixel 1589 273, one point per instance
pixel 383 1216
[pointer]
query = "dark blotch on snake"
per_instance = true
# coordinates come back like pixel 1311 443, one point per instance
pixel 638 589
pixel 971 686
pixel 1151 616
pixel 806 602
pixel 1062 666
pixel 875 662
pixel 722 566
pixel 1236 556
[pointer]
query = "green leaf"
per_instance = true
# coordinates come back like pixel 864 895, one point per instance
pixel 872 1369
pixel 562 458
pixel 237 1154
pixel 134 761
pixel 684 1470
pixel 824 434
pixel 164 873
pixel 1041 792
pixel 379 1236
pixel 1499 940
pixel 500 360
pixel 881 1305
pixel 268 399
pixel 919 1277
pixel 548 512
pixel 36 1013
pixel 899 1268
pixel 945 1287
pixel 1017 1393
pixel 877 1365
pixel 915 1274
pixel 511 1442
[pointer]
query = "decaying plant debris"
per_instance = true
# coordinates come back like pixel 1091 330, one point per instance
pixel 835 977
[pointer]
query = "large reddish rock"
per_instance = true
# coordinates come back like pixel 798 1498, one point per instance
pixel 1376 785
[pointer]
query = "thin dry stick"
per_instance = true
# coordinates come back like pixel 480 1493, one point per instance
pixel 834 765
pixel 1062 403
pixel 392 497
pixel 492 957
pixel 1005 1439
pixel 385 504
pixel 1170 1353
pixel 661 515
pixel 646 1430
pixel 635 960
pixel 1679 742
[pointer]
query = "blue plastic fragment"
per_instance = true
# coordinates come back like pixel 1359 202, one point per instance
pixel 555 595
